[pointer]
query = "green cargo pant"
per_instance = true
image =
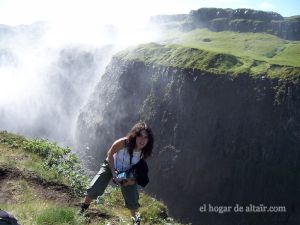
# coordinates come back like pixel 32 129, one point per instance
pixel 100 181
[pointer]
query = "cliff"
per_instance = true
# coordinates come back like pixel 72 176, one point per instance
pixel 240 20
pixel 220 138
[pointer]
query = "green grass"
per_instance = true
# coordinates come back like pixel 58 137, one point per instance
pixel 292 18
pixel 182 57
pixel 289 56
pixel 31 209
pixel 152 211
pixel 58 216
pixel 256 46
pixel 44 213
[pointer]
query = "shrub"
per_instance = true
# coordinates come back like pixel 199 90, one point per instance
pixel 61 160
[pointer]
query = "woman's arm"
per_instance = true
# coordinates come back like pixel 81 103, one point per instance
pixel 116 146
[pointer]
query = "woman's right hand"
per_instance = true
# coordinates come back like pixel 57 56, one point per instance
pixel 114 177
pixel 117 146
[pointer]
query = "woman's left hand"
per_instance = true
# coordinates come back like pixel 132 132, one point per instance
pixel 129 182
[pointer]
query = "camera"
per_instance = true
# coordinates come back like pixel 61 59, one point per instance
pixel 122 177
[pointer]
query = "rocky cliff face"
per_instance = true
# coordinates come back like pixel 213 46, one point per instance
pixel 219 140
pixel 241 20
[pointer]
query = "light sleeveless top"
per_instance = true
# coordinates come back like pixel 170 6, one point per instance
pixel 122 159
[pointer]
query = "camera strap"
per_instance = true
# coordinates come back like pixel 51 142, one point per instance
pixel 122 160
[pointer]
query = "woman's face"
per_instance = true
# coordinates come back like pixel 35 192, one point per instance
pixel 141 140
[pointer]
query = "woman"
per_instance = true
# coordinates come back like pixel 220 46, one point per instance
pixel 123 154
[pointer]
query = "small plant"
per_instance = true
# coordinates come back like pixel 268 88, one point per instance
pixel 279 93
pixel 206 40
pixel 60 160
pixel 58 216
pixel 11 140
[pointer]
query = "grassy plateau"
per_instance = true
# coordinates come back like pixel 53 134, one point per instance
pixel 227 52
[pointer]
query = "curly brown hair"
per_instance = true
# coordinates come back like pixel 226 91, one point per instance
pixel 131 139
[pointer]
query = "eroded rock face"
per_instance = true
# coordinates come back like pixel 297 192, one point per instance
pixel 240 20
pixel 207 14
pixel 219 140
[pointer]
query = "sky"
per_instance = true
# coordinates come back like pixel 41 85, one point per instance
pixel 82 12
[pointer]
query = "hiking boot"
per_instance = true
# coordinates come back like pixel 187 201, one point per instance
pixel 83 207
pixel 136 220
